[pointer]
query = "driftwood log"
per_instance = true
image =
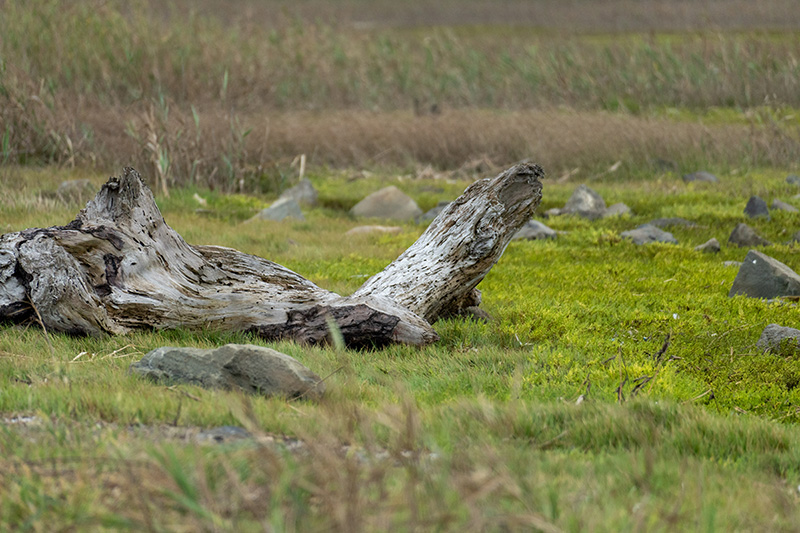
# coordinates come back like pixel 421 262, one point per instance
pixel 118 266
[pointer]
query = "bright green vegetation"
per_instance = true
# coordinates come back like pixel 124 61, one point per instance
pixel 483 430
pixel 567 412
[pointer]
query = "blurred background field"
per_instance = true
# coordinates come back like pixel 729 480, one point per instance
pixel 227 94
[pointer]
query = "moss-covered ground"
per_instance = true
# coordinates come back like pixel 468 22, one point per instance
pixel 565 412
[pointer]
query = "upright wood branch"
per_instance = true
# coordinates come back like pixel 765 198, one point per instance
pixel 440 270
pixel 118 266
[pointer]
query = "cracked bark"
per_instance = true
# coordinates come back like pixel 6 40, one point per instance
pixel 118 266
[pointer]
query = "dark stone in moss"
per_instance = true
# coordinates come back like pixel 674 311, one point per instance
pixel 761 276
pixel 756 207
pixel 780 340
pixel 743 235
pixel 646 234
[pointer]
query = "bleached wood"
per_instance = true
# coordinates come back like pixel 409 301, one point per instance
pixel 118 266
pixel 437 274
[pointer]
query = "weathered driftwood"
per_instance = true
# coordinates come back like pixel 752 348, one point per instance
pixel 118 266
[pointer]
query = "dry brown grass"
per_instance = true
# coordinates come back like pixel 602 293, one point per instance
pixel 223 99
pixel 560 140
pixel 570 15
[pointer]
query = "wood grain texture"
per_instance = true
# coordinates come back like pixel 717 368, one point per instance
pixel 118 266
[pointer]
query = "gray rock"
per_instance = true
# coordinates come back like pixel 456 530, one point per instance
pixel 793 179
pixel 756 207
pixel 646 234
pixel 303 193
pixel 534 230
pixel 553 212
pixel 432 213
pixel 364 230
pixel 761 276
pixel 586 203
pixel 795 237
pixel 76 191
pixel 711 246
pixel 617 210
pixel 779 339
pixel 252 368
pixel 672 221
pixel 744 235
pixel 783 206
pixel 387 203
pixel 281 209
pixel 223 434
pixel 701 175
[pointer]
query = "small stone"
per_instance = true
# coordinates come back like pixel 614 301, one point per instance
pixel 388 203
pixel 617 210
pixel 223 434
pixel 672 221
pixel 586 203
pixel 793 179
pixel 701 175
pixel 711 246
pixel 364 230
pixel 251 368
pixel 553 212
pixel 795 237
pixel 646 234
pixel 303 193
pixel 756 207
pixel 432 213
pixel 534 230
pixel 736 264
pixel 780 340
pixel 761 276
pixel 783 206
pixel 744 235
pixel 76 191
pixel 281 209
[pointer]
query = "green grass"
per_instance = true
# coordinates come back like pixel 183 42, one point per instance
pixel 482 430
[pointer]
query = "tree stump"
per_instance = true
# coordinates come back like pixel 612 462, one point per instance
pixel 118 266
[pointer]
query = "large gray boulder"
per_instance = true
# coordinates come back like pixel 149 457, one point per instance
pixel 743 235
pixel 756 207
pixel 761 276
pixel 303 193
pixel 534 230
pixel 646 234
pixel 282 208
pixel 254 369
pixel 701 175
pixel 388 203
pixel 586 203
pixel 779 339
